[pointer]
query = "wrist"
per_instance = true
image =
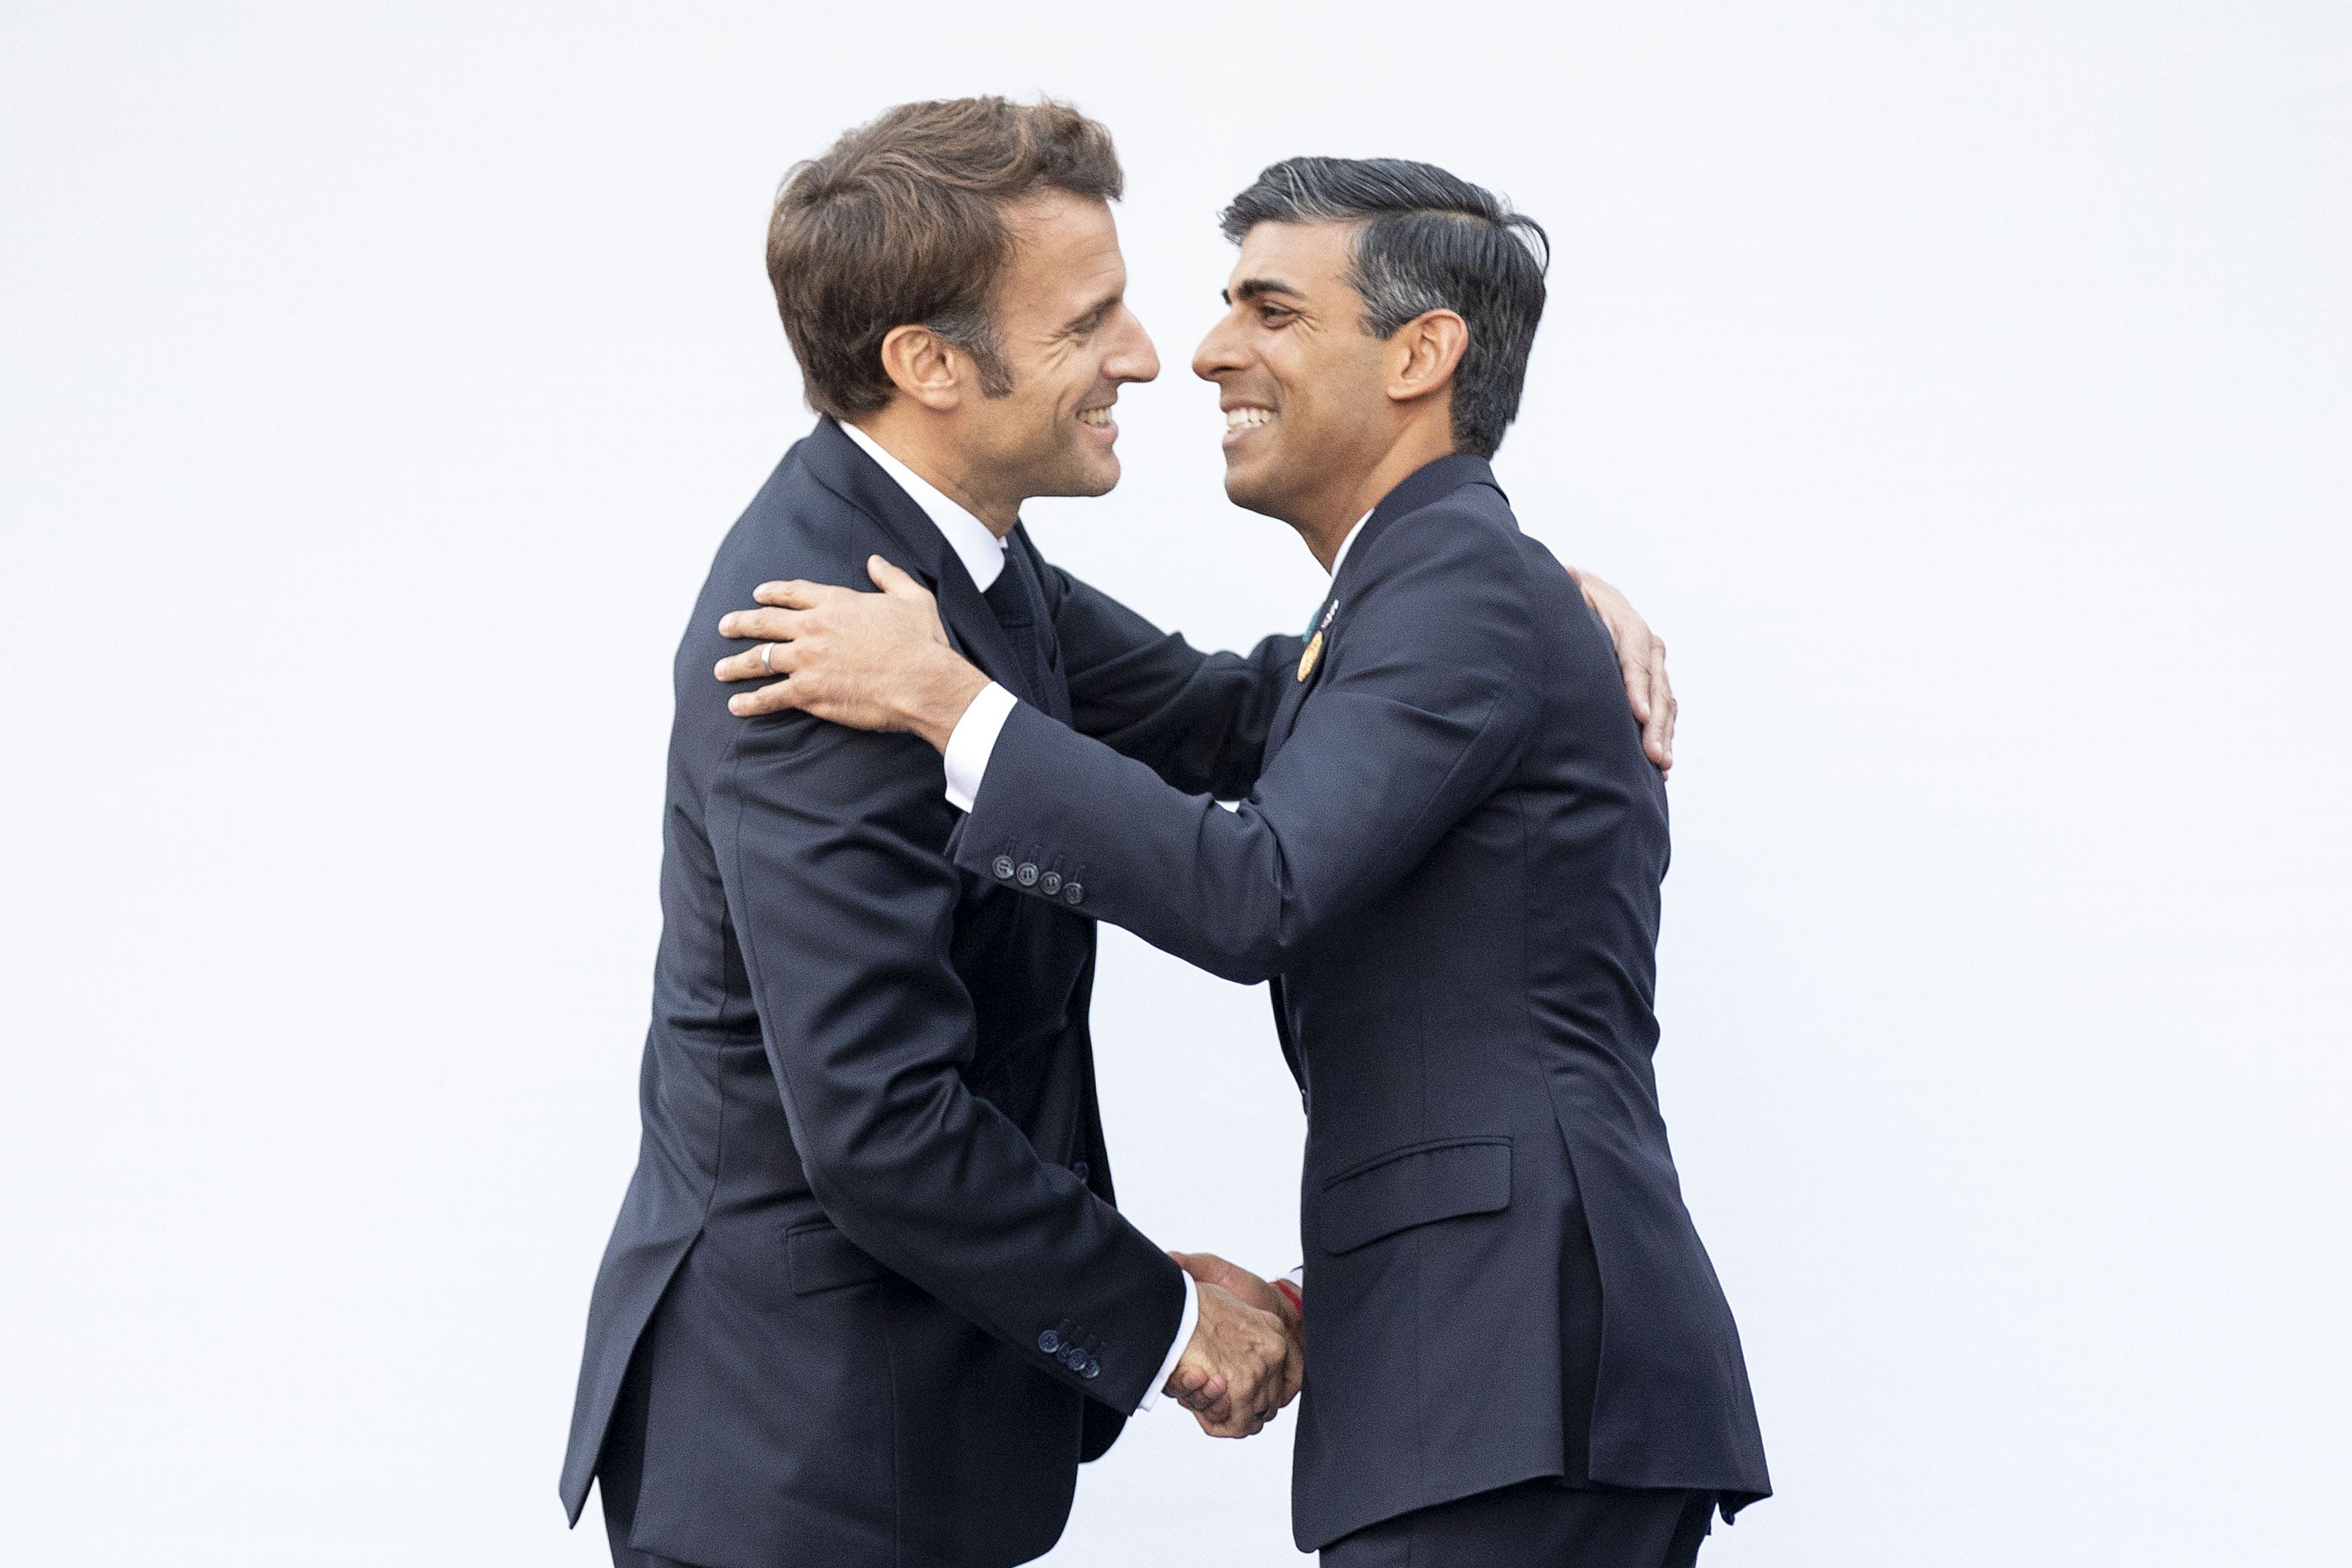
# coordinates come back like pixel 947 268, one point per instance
pixel 1293 1309
pixel 941 694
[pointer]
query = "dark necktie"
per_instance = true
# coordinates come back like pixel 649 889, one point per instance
pixel 1020 607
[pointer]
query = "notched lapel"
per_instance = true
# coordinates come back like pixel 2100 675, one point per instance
pixel 972 628
pixel 923 551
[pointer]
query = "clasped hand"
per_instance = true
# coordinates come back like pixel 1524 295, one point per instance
pixel 1246 1357
pixel 870 660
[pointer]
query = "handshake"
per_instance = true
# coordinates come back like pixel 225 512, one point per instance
pixel 1246 1356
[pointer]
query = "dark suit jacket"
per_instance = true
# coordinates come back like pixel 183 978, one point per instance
pixel 1451 861
pixel 900 1307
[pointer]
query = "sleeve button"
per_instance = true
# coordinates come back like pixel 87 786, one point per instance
pixel 1049 1341
pixel 1072 892
pixel 1028 874
pixel 1002 867
pixel 1050 884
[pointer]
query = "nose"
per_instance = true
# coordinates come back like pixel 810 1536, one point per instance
pixel 1221 352
pixel 1134 359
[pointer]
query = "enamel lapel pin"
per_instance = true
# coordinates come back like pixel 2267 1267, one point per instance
pixel 1314 644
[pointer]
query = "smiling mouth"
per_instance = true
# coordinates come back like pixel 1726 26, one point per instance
pixel 1098 417
pixel 1247 417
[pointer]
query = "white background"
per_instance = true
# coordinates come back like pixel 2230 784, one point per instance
pixel 1965 390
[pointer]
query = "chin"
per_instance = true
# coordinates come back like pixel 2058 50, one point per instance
pixel 1097 474
pixel 1250 491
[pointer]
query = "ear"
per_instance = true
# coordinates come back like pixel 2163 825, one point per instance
pixel 926 367
pixel 1424 354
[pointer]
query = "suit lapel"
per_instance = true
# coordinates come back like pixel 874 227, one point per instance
pixel 1426 484
pixel 1055 698
pixel 971 625
pixel 1294 695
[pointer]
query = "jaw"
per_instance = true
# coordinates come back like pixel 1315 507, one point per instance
pixel 1253 480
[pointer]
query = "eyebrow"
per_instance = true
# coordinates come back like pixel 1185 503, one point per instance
pixel 1251 287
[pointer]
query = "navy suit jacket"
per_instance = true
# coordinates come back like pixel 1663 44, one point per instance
pixel 869 1255
pixel 1450 865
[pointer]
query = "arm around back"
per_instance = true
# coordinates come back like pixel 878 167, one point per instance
pixel 1419 711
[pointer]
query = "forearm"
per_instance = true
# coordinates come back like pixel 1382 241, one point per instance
pixel 1198 719
pixel 842 902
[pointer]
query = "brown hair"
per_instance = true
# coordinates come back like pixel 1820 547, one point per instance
pixel 901 223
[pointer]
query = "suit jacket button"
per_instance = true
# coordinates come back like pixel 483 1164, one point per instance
pixel 1072 892
pixel 1050 884
pixel 1091 1370
pixel 1002 867
pixel 1078 1169
pixel 1028 874
pixel 1049 1341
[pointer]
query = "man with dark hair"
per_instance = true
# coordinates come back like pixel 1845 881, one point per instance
pixel 868 1301
pixel 1447 860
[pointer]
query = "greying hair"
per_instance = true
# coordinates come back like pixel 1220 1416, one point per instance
pixel 1429 241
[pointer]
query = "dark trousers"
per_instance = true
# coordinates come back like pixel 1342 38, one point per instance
pixel 1537 1524
pixel 623 1466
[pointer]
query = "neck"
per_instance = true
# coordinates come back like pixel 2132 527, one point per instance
pixel 921 440
pixel 1325 525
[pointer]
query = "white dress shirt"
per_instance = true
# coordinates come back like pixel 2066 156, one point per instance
pixel 983 554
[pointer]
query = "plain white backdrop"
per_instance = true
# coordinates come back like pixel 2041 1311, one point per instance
pixel 1964 390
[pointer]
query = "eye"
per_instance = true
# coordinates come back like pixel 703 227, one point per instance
pixel 1274 316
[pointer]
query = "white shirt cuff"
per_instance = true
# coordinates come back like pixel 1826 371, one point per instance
pixel 972 742
pixel 1176 1349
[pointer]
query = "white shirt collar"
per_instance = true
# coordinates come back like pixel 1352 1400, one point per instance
pixel 974 542
pixel 1346 542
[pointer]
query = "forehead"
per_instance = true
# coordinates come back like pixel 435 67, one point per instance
pixel 1065 247
pixel 1311 258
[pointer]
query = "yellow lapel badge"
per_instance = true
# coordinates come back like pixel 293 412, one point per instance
pixel 1314 650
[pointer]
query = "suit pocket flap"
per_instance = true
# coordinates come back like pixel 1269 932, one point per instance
pixel 822 1259
pixel 1415 1186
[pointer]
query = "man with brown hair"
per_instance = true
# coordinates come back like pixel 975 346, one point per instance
pixel 869 1299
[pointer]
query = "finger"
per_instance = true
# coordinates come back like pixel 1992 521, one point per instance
pixel 796 594
pixel 774 698
pixel 1660 726
pixel 891 580
pixel 1636 671
pixel 763 625
pixel 1208 1268
pixel 1195 1387
pixel 764 663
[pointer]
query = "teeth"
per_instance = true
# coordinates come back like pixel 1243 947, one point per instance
pixel 1247 418
pixel 1094 416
